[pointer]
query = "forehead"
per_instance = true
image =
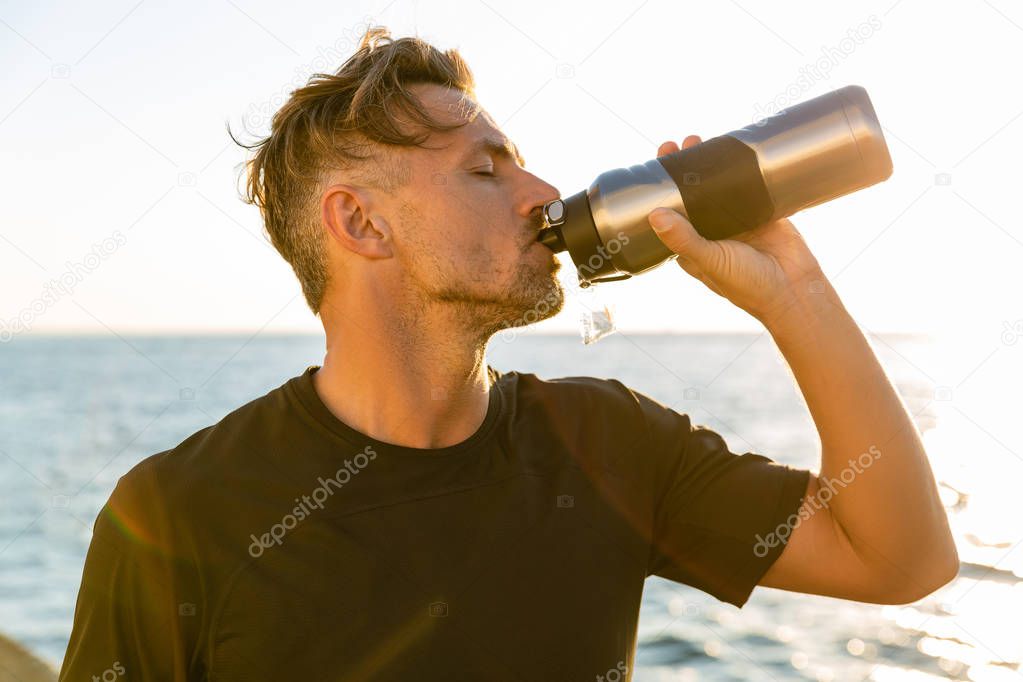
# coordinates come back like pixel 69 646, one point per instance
pixel 479 132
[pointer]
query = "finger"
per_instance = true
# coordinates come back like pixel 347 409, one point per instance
pixel 667 148
pixel 694 271
pixel 689 267
pixel 691 141
pixel 679 235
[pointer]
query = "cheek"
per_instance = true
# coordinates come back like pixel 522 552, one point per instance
pixel 483 246
pixel 505 253
pixel 484 256
pixel 473 243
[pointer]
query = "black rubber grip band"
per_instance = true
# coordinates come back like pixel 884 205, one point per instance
pixel 721 185
pixel 579 233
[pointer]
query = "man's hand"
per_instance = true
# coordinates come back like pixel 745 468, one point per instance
pixel 759 270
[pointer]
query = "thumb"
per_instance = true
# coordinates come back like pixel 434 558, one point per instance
pixel 679 235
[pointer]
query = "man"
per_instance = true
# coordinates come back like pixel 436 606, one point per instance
pixel 405 511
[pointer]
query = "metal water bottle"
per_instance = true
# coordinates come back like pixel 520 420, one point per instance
pixel 804 155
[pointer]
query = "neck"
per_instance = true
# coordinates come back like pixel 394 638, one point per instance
pixel 417 379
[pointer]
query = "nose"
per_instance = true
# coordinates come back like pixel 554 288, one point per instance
pixel 535 196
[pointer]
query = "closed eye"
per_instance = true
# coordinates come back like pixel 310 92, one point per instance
pixel 485 173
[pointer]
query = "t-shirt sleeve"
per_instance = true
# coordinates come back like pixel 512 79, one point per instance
pixel 130 618
pixel 712 506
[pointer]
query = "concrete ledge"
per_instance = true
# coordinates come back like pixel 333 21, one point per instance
pixel 19 665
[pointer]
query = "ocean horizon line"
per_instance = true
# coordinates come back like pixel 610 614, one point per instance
pixel 227 333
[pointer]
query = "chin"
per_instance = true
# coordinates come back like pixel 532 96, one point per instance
pixel 539 299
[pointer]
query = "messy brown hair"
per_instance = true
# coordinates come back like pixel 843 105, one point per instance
pixel 349 120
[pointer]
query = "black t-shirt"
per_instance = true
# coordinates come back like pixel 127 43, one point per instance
pixel 282 544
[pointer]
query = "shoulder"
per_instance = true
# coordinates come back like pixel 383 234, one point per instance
pixel 171 487
pixel 590 397
pixel 588 388
pixel 595 414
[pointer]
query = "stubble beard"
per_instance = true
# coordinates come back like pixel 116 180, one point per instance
pixel 535 295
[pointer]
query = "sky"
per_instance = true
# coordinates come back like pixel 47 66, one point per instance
pixel 121 212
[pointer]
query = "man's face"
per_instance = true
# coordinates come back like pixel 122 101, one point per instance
pixel 468 220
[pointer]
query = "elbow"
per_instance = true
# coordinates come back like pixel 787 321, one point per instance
pixel 946 568
pixel 927 577
pixel 943 565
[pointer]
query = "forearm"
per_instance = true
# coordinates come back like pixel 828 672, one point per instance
pixel 883 494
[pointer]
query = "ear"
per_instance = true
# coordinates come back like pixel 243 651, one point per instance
pixel 345 211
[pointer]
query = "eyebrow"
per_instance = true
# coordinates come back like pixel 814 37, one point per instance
pixel 498 146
